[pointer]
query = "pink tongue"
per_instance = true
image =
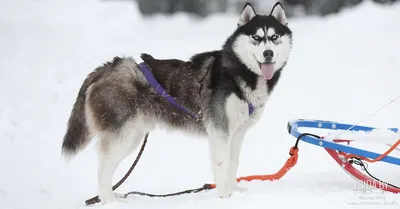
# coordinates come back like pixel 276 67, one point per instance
pixel 267 71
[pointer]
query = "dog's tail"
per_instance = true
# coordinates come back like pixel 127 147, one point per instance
pixel 77 135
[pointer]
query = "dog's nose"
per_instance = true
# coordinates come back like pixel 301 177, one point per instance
pixel 268 54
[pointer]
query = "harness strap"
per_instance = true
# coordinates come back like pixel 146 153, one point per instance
pixel 160 90
pixel 251 108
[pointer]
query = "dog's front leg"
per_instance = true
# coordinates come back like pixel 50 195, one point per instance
pixel 220 154
pixel 236 146
pixel 221 130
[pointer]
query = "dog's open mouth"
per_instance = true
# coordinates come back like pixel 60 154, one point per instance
pixel 267 70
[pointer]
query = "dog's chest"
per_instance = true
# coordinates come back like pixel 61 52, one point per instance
pixel 258 96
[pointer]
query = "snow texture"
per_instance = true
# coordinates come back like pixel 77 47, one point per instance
pixel 342 68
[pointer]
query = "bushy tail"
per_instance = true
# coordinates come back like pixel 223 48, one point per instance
pixel 77 136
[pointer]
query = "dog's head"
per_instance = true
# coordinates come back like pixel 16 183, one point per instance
pixel 263 42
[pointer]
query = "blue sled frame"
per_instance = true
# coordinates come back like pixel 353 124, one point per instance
pixel 331 125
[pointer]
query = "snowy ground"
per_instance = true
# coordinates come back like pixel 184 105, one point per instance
pixel 343 67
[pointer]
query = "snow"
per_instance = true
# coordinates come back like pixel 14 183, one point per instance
pixel 343 67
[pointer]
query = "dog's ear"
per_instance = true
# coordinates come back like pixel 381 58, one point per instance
pixel 278 12
pixel 247 14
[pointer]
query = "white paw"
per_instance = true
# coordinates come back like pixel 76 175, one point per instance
pixel 105 199
pixel 234 185
pixel 224 191
pixel 119 195
pixel 110 197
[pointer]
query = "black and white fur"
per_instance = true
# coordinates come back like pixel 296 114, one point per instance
pixel 117 106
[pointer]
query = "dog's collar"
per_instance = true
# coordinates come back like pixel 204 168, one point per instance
pixel 160 90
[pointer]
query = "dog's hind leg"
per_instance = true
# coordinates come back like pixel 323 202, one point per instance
pixel 113 148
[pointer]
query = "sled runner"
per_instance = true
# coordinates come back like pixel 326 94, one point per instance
pixel 344 154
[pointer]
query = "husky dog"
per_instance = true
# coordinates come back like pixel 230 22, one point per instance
pixel 117 105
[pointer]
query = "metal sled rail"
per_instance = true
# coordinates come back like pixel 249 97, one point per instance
pixel 321 124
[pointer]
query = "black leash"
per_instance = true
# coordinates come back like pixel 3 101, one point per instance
pixel 189 191
pixel 301 136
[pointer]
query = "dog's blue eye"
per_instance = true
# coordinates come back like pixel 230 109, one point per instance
pixel 274 37
pixel 257 38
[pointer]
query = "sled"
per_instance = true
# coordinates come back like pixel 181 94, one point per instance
pixel 343 153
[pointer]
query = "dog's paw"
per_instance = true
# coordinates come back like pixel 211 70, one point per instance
pixel 107 199
pixel 119 195
pixel 224 191
pixel 111 197
pixel 235 186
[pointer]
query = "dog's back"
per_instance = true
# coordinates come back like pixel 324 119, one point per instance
pixel 182 80
pixel 118 91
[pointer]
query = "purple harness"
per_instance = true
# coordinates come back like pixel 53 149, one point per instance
pixel 160 90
